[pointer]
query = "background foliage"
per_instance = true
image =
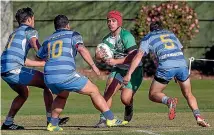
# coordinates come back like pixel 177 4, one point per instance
pixel 177 17
pixel 89 18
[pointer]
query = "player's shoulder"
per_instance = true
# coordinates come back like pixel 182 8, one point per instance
pixel 155 34
pixel 106 37
pixel 125 33
pixel 30 29
pixel 75 33
pixel 147 36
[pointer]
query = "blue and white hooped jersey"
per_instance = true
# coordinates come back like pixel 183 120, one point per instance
pixel 166 47
pixel 60 50
pixel 17 48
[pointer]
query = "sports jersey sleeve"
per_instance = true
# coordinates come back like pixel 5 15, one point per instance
pixel 179 44
pixel 43 51
pixel 76 39
pixel 129 42
pixel 30 33
pixel 144 45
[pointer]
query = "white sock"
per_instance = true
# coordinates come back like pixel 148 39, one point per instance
pixel 165 99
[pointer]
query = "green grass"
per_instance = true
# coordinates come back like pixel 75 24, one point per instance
pixel 149 117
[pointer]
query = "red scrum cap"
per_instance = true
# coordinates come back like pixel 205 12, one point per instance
pixel 116 15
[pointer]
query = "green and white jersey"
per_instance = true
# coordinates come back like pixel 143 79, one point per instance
pixel 121 45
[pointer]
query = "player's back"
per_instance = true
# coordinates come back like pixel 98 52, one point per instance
pixel 16 50
pixel 167 48
pixel 61 53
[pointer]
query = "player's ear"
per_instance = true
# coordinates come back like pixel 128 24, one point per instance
pixel 68 26
pixel 29 20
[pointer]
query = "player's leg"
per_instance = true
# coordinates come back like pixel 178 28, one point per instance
pixel 100 104
pixel 57 107
pixel 127 99
pixel 17 103
pixel 112 86
pixel 156 91
pixel 36 78
pixel 156 94
pixel 185 85
pixel 159 83
pixel 129 91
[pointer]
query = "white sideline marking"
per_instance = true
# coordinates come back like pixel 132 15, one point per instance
pixel 148 132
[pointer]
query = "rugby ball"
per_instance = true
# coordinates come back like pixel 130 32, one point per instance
pixel 107 49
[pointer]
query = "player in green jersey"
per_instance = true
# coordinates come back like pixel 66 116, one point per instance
pixel 122 43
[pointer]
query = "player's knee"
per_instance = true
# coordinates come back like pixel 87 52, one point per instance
pixel 126 101
pixel 24 96
pixel 47 91
pixel 151 96
pixel 93 90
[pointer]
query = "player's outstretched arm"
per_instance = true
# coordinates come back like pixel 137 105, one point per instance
pixel 34 63
pixel 35 43
pixel 37 62
pixel 128 59
pixel 87 57
pixel 134 64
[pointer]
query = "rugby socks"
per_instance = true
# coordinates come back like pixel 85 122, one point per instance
pixel 196 112
pixel 165 100
pixel 102 117
pixel 9 120
pixel 48 115
pixel 54 121
pixel 108 115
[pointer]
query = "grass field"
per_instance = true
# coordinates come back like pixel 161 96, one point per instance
pixel 149 118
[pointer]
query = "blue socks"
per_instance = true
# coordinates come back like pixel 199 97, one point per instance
pixel 54 121
pixel 9 120
pixel 48 115
pixel 108 115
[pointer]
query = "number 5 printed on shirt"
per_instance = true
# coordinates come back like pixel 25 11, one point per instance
pixel 168 43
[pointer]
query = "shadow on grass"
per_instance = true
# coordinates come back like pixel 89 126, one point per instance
pixel 145 126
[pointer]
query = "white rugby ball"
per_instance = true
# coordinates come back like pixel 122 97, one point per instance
pixel 109 52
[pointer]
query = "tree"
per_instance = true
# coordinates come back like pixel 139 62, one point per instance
pixel 177 17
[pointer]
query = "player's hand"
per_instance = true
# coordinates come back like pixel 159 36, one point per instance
pixel 126 79
pixel 111 62
pixel 95 69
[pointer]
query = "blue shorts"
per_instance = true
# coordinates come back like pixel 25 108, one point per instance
pixel 74 83
pixel 165 75
pixel 21 76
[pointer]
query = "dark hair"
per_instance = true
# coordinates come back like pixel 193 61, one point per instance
pixel 23 14
pixel 60 21
pixel 157 25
